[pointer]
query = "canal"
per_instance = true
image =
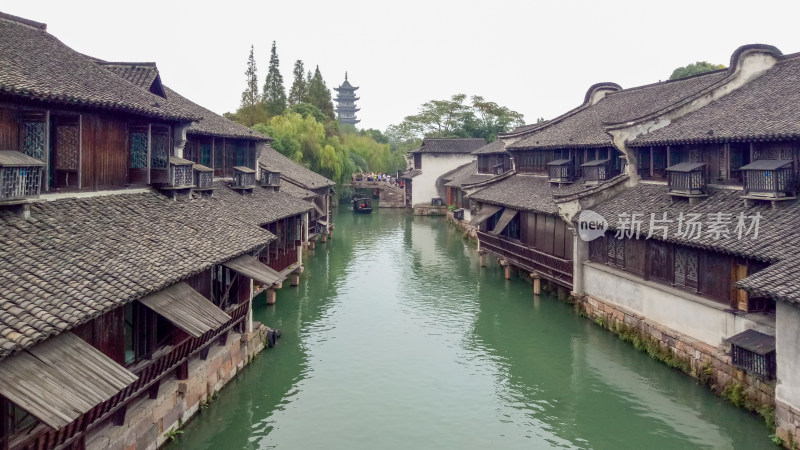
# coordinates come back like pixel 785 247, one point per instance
pixel 397 338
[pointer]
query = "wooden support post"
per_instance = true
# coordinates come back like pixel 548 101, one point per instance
pixel 223 338
pixel 313 244
pixel 324 238
pixel 119 416
pixel 482 257
pixel 182 372
pixel 152 391
pixel 295 279
pixel 204 352
pixel 270 296
pixel 537 284
pixel 507 271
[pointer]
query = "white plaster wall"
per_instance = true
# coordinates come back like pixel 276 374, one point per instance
pixel 787 351
pixel 434 165
pixel 700 319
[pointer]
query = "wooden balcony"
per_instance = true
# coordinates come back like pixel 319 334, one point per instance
pixel 552 267
pixel 163 364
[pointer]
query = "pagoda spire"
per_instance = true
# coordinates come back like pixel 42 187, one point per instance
pixel 346 102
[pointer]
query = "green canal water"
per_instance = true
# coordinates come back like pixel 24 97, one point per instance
pixel 397 338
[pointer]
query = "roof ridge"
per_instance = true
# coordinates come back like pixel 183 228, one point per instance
pixel 23 21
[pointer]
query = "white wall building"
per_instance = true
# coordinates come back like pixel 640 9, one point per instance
pixel 433 159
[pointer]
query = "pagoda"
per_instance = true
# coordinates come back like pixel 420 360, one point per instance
pixel 346 102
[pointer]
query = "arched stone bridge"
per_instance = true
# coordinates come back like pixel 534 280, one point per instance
pixel 389 195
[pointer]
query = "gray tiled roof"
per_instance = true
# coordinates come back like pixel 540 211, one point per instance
pixel 292 170
pixel 466 174
pixel 450 145
pixel 75 259
pixel 763 109
pixel 584 126
pixel 493 148
pixel 35 65
pixel 141 74
pixel 211 123
pixel 259 207
pixel 295 190
pixel 526 192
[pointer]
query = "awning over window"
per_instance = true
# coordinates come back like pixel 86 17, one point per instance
pixel 505 218
pixel 485 212
pixel 187 309
pixel 253 268
pixel 61 378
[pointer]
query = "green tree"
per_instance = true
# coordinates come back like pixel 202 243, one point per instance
pixel 298 89
pixel 306 109
pixel 455 118
pixel 274 96
pixel 694 69
pixel 319 95
pixel 250 95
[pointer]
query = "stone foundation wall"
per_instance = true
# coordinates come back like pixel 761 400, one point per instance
pixel 712 366
pixel 428 210
pixel 788 424
pixel 148 422
pixel 464 226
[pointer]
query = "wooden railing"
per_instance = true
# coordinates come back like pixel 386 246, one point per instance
pixel 282 259
pixel 552 267
pixel 20 182
pixel 149 374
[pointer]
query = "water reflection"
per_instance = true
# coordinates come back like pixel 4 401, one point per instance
pixel 396 338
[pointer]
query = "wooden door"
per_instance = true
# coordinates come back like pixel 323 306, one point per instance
pixel 738 296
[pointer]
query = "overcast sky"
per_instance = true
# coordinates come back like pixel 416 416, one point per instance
pixel 537 58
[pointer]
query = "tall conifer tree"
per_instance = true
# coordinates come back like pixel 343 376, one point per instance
pixel 298 91
pixel 320 96
pixel 250 95
pixel 274 96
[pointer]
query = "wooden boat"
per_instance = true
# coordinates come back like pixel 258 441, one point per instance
pixel 362 205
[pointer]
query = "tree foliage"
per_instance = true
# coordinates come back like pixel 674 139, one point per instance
pixel 319 95
pixel 250 95
pixel 694 69
pixel 274 96
pixel 298 90
pixel 456 117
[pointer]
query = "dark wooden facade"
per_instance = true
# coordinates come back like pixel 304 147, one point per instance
pixel 282 252
pixel 723 161
pixel 88 150
pixel 494 164
pixel 536 161
pixel 709 274
pixel 221 154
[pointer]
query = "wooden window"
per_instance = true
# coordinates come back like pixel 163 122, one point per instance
pixel 224 287
pixel 14 421
pixel 529 229
pixel 559 235
pixel 534 162
pixel 138 148
pixel 139 332
pixel 205 154
pixel 597 250
pixel 636 256
pixel 34 134
pixel 644 163
pixel 65 152
pixel 686 264
pixel 417 160
pixel 549 234
pixel 615 251
pixel 715 278
pixel 660 260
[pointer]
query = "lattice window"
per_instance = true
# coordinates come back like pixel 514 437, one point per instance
pixel 204 179
pixel 190 151
pixel 205 154
pixel 159 157
pixel 34 139
pixel 16 182
pixel 686 267
pixel 138 150
pixel 616 251
pixel 181 175
pixel 67 147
